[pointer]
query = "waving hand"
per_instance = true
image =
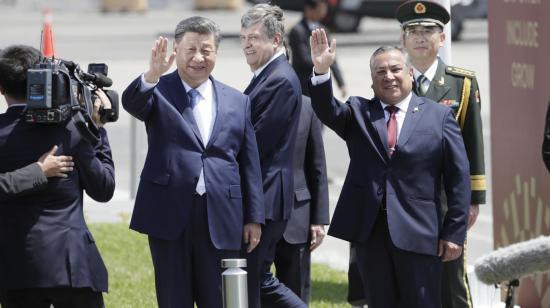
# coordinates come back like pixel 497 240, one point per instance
pixel 159 64
pixel 322 54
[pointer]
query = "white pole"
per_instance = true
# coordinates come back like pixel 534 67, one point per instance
pixel 445 51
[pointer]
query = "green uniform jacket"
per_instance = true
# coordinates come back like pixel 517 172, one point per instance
pixel 458 89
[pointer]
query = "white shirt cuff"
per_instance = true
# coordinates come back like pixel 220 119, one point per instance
pixel 319 79
pixel 147 85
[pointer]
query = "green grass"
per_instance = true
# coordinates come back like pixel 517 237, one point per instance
pixel 131 278
pixel 329 287
pixel 128 260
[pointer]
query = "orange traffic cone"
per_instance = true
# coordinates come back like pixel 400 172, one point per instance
pixel 47 35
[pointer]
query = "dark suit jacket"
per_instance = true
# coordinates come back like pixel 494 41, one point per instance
pixel 429 148
pixel 310 178
pixel 276 101
pixel 176 153
pixel 21 181
pixel 298 40
pixel 546 141
pixel 44 238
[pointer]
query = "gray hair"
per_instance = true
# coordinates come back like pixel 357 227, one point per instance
pixel 200 25
pixel 271 16
pixel 386 49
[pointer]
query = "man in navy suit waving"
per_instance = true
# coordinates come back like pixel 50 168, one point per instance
pixel 200 195
pixel 402 149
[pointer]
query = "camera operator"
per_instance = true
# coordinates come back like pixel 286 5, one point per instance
pixel 48 255
pixel 34 176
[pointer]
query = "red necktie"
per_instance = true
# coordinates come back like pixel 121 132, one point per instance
pixel 392 128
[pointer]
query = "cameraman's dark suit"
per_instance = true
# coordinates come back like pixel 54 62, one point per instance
pixel 44 238
pixel 23 180
pixel 293 255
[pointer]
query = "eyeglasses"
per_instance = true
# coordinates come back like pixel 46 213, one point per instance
pixel 423 32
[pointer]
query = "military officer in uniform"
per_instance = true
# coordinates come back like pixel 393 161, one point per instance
pixel 422 25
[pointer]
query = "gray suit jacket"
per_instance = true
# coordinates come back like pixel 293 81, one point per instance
pixel 310 178
pixel 21 181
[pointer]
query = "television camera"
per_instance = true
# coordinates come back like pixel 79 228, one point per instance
pixel 58 90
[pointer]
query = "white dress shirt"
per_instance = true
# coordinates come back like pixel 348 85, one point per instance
pixel 275 56
pixel 205 109
pixel 204 113
pixel 319 79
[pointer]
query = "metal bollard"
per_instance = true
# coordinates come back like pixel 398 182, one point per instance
pixel 234 286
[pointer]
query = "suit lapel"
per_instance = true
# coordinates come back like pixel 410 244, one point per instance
pixel 376 116
pixel 266 72
pixel 414 113
pixel 251 85
pixel 180 100
pixel 220 96
pixel 438 88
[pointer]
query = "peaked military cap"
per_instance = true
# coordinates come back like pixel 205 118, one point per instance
pixel 422 13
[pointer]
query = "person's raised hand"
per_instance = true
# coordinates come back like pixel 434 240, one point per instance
pixel 159 63
pixel 322 55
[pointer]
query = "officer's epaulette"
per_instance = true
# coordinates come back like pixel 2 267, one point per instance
pixel 460 72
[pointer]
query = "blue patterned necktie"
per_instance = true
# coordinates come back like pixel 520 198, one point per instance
pixel 193 97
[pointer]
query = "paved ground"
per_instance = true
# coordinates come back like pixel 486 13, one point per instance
pixel 123 41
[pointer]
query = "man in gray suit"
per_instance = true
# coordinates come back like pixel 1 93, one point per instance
pixel 34 176
pixel 305 229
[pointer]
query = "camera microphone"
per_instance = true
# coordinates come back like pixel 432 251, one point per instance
pixel 514 261
pixel 98 79
pixel 102 80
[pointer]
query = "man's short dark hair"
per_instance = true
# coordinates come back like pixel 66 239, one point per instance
pixel 200 25
pixel 314 3
pixel 14 62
